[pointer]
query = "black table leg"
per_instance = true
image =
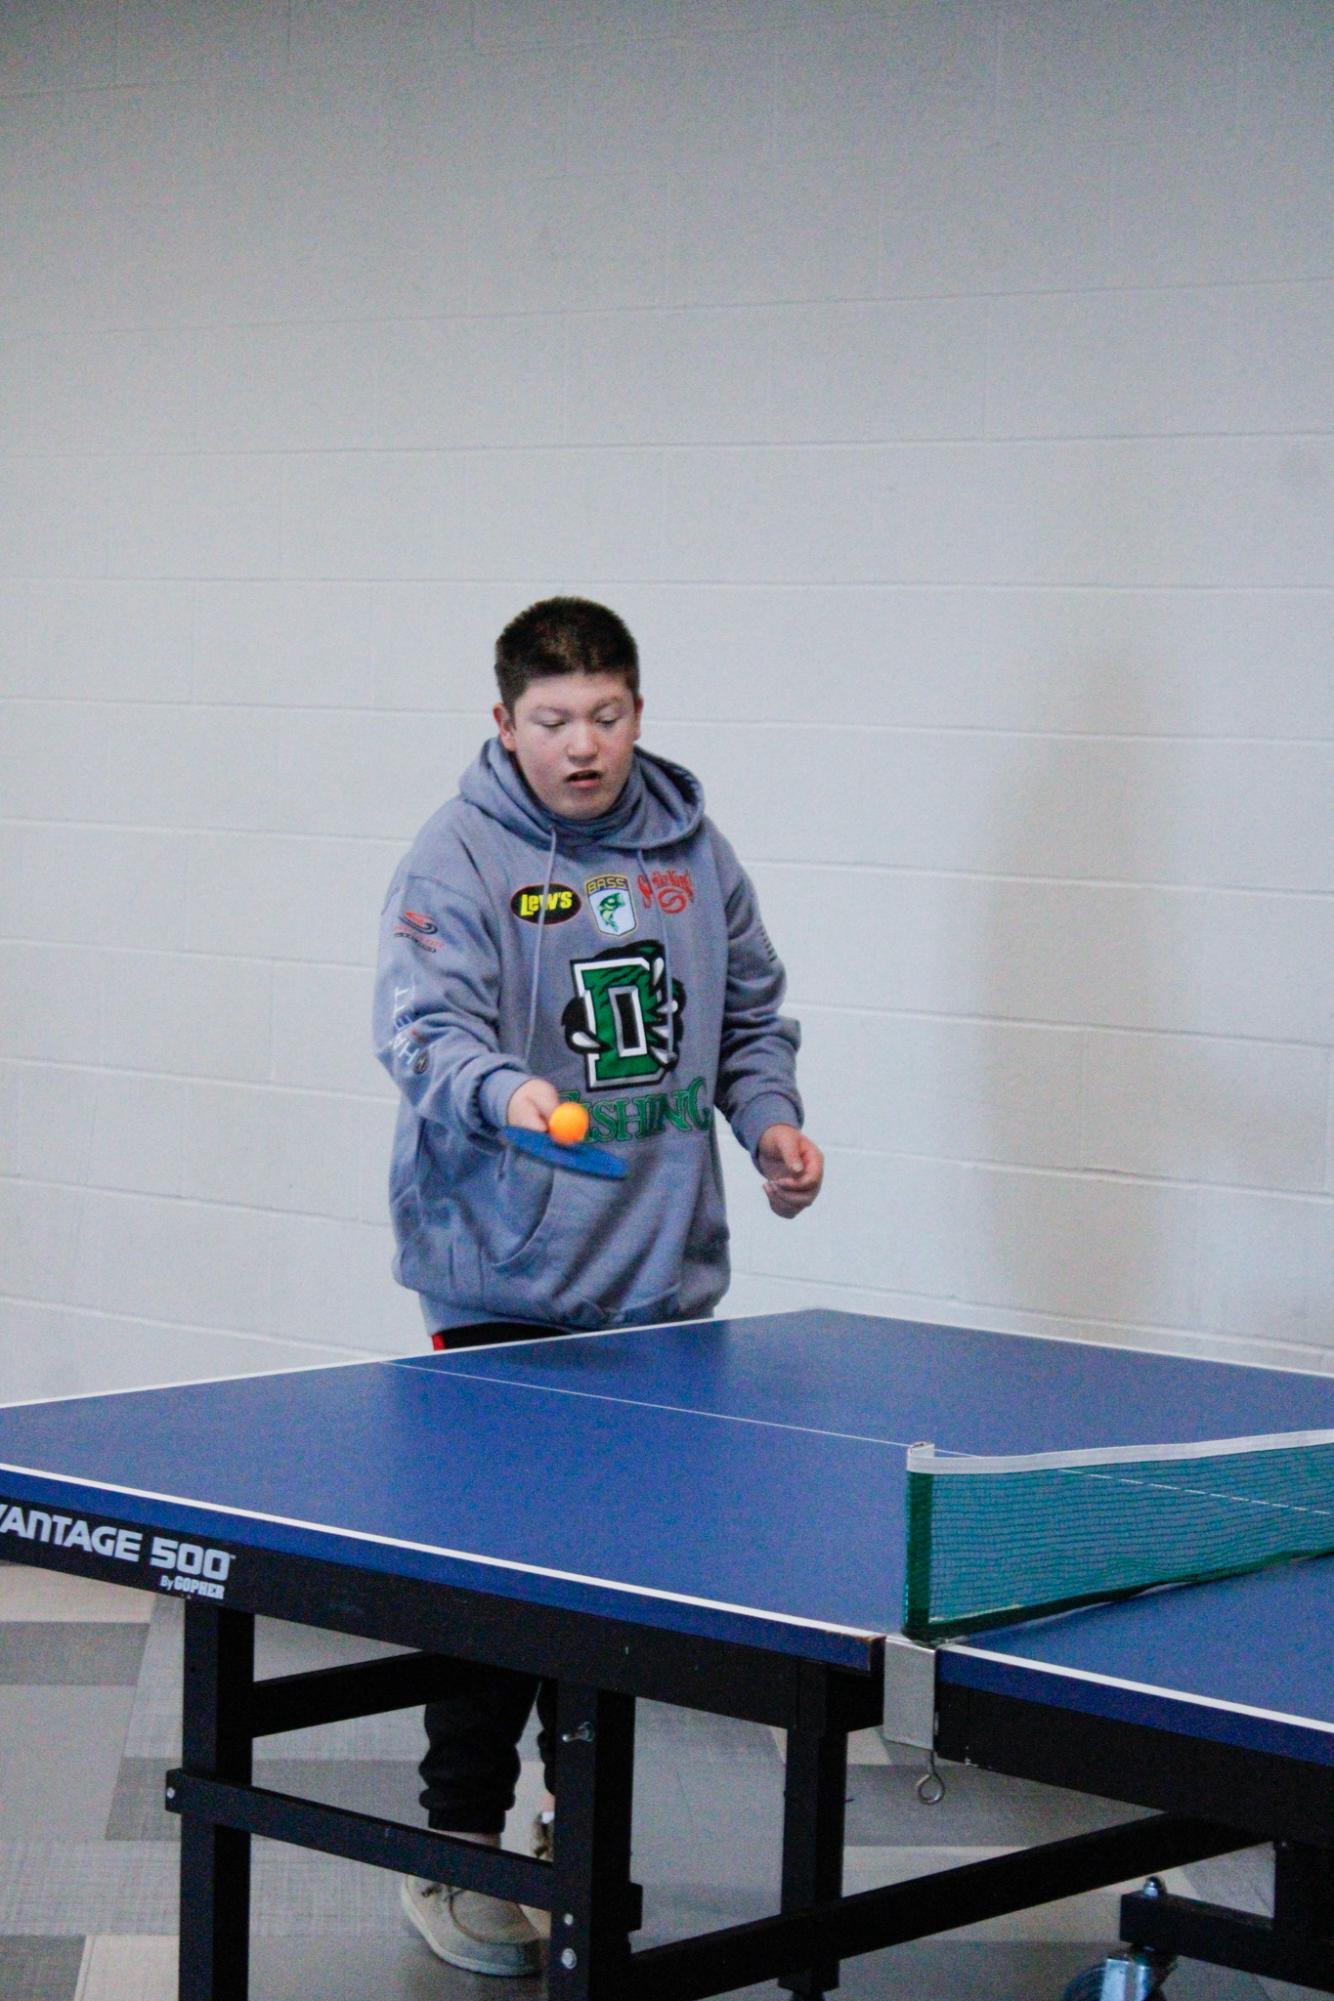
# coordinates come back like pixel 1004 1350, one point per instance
pixel 1296 1944
pixel 595 1901
pixel 215 1861
pixel 814 1801
pixel 1304 1889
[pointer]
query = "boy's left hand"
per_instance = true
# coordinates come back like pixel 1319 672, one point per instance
pixel 793 1168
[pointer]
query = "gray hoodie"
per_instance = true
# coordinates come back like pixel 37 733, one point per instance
pixel 624 959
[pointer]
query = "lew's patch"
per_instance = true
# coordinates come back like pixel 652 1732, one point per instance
pixel 562 902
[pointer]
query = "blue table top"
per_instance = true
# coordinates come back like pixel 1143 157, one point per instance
pixel 739 1479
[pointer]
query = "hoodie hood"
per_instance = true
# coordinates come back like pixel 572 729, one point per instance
pixel 662 804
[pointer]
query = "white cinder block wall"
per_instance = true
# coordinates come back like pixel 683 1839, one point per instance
pixel 941 391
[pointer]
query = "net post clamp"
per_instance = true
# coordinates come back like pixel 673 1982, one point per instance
pixel 910 1693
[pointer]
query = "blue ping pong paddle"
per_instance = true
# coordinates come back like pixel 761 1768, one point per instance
pixel 580 1158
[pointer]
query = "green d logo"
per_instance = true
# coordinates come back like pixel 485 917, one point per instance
pixel 622 1021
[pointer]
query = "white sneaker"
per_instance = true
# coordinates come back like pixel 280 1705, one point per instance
pixel 480 1934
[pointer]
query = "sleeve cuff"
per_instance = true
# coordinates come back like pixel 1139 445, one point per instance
pixel 773 1109
pixel 495 1092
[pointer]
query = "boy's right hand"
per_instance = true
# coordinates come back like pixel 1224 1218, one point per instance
pixel 532 1105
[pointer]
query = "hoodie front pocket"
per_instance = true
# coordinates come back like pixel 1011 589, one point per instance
pixel 545 1274
pixel 526 1212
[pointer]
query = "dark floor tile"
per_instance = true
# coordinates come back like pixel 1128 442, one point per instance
pixel 71 1655
pixel 40 1969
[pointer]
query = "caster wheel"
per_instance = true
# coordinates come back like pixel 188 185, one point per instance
pixel 1131 1976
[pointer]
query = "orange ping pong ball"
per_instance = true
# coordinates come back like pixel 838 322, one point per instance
pixel 568 1123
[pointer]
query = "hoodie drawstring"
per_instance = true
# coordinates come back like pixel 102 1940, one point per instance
pixel 537 948
pixel 669 998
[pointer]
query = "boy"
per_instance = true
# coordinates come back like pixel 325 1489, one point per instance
pixel 571 926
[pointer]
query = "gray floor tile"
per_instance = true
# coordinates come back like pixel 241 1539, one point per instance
pixel 395 1738
pixel 155 1721
pixel 46 1595
pixel 72 1656
pixel 297 1893
pixel 402 1967
pixel 39 1969
pixel 709 1802
pixel 155 1727
pixel 69 1889
pixel 282 1647
pixel 1245 1880
pixel 693 1903
pixel 292 1968
pixel 665 1826
pixel 137 1811
pixel 60 1751
pixel 979 1810
pixel 129 1967
pixel 667 1732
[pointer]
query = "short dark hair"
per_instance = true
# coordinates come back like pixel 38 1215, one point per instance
pixel 563 636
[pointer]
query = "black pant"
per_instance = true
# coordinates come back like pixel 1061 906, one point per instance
pixel 472 1734
pixel 472 1760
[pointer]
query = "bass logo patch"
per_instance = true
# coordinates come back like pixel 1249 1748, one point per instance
pixel 611 903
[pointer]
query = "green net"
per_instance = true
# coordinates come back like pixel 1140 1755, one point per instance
pixel 994 1541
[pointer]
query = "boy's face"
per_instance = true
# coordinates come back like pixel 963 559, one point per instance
pixel 574 736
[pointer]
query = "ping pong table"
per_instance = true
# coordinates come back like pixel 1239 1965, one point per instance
pixel 708 1514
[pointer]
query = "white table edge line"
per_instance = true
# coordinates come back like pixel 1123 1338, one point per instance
pixel 1080 1341
pixel 198 1382
pixel 1195 1701
pixel 428 1549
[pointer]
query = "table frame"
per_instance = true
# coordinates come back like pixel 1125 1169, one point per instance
pixel 1288 1802
pixel 602 1666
